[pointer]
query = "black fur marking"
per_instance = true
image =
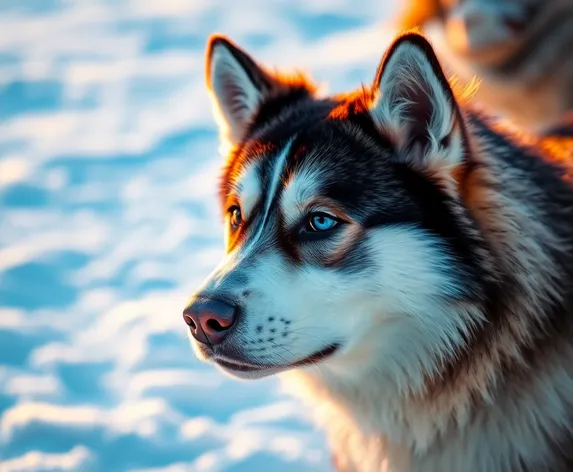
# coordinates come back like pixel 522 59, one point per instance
pixel 275 107
pixel 304 236
pixel 433 213
pixel 355 261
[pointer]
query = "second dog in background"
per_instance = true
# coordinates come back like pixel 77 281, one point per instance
pixel 522 50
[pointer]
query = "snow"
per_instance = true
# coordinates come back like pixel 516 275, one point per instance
pixel 108 220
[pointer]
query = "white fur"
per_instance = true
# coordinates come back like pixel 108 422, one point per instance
pixel 248 189
pixel 300 191
pixel 488 443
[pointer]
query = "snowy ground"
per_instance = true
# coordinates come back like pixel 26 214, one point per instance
pixel 108 165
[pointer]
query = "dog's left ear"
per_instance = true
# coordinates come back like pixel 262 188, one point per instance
pixel 415 106
pixel 239 87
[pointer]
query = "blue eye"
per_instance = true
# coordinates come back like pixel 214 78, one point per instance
pixel 319 222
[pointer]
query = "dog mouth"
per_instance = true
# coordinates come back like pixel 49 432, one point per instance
pixel 235 365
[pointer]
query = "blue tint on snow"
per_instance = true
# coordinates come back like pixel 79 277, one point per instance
pixel 109 218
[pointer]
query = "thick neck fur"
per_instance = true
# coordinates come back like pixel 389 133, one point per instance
pixel 503 401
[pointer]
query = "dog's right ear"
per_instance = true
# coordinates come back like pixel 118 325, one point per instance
pixel 416 106
pixel 237 85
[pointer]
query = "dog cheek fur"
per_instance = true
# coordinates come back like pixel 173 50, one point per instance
pixel 391 307
pixel 318 304
pixel 401 325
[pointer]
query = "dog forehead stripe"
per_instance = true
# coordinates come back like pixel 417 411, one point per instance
pixel 273 189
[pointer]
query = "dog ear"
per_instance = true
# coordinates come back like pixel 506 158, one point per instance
pixel 415 105
pixel 239 87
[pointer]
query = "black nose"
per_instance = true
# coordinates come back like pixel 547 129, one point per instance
pixel 210 320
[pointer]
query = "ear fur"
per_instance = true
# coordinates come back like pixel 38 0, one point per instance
pixel 236 84
pixel 415 105
pixel 239 86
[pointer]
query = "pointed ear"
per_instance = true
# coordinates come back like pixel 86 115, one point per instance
pixel 239 86
pixel 236 84
pixel 415 105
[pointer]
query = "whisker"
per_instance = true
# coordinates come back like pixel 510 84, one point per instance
pixel 283 347
pixel 302 332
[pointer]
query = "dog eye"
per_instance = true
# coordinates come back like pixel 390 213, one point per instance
pixel 320 222
pixel 235 216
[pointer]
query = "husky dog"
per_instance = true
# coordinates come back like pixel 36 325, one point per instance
pixel 401 260
pixel 522 50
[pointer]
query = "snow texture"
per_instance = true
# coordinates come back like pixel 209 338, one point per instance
pixel 108 220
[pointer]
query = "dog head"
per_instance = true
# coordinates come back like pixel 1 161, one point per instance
pixel 345 236
pixel 489 31
pixel 481 30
